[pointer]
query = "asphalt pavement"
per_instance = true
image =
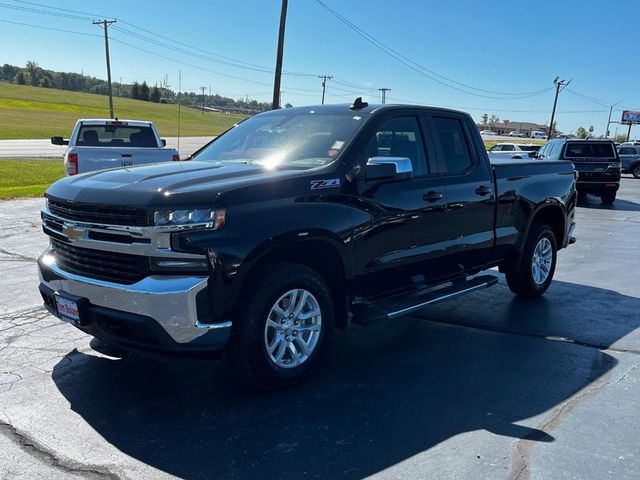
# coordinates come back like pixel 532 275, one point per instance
pixel 42 148
pixel 488 386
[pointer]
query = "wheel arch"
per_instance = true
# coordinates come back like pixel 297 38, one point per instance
pixel 323 252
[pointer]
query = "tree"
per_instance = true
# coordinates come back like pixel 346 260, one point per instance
pixel 485 118
pixel 591 131
pixel 44 82
pixel 155 94
pixel 288 105
pixel 34 73
pixel 144 92
pixel 581 132
pixel 20 78
pixel 494 119
pixel 621 137
pixel 135 91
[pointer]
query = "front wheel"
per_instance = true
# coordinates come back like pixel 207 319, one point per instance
pixel 282 325
pixel 636 171
pixel 608 197
pixel 537 265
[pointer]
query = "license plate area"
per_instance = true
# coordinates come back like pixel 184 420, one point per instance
pixel 70 308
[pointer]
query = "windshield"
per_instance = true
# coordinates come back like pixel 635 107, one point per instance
pixel 300 140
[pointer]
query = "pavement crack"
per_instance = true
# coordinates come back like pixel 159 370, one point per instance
pixel 37 450
pixel 521 461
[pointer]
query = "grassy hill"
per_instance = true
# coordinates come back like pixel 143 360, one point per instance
pixel 34 112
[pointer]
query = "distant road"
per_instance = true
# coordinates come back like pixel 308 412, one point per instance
pixel 43 148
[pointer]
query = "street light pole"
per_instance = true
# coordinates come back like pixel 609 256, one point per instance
pixel 278 74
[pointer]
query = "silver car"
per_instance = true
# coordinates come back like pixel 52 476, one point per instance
pixel 630 159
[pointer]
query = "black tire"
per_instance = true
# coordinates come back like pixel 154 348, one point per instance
pixel 582 195
pixel 248 353
pixel 608 197
pixel 521 279
pixel 635 170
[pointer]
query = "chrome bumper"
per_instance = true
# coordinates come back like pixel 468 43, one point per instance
pixel 168 300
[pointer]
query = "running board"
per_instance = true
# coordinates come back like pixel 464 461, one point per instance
pixel 404 305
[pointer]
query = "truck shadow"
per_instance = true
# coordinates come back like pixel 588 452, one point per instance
pixel 383 394
pixel 621 205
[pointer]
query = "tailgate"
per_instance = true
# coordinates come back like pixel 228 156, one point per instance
pixel 101 158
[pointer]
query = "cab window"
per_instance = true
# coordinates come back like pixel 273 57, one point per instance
pixel 400 137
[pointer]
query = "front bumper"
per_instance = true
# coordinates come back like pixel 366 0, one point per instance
pixel 160 312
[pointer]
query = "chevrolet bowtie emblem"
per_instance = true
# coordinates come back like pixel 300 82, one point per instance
pixel 74 233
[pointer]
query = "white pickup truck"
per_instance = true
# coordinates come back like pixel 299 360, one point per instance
pixel 98 144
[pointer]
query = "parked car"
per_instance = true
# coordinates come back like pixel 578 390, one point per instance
pixel 538 134
pixel 488 133
pixel 513 150
pixel 296 221
pixel 596 161
pixel 630 159
pixel 516 133
pixel 98 144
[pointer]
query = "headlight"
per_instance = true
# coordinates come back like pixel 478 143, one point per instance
pixel 200 217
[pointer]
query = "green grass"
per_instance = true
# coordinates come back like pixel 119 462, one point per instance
pixel 34 112
pixel 28 178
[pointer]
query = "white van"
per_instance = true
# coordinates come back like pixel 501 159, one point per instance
pixel 538 134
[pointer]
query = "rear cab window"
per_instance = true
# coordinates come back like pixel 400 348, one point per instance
pixel 116 136
pixel 452 144
pixel 590 150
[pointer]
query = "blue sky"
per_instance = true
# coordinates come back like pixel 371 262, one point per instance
pixel 489 45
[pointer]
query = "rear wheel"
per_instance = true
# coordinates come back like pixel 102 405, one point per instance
pixel 608 197
pixel 537 265
pixel 636 171
pixel 282 326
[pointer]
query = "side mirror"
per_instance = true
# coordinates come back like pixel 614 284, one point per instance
pixel 164 142
pixel 388 168
pixel 59 141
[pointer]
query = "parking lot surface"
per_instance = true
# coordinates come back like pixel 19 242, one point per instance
pixel 488 386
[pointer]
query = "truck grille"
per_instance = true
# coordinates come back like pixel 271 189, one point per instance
pixel 99 264
pixel 105 214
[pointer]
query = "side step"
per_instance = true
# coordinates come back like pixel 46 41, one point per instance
pixel 405 304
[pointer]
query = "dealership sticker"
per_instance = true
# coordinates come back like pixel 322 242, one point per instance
pixel 329 183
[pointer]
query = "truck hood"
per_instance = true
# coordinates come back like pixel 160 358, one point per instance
pixel 171 184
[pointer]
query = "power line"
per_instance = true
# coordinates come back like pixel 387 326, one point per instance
pixel 50 28
pixel 422 70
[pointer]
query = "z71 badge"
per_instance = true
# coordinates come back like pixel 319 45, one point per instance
pixel 329 183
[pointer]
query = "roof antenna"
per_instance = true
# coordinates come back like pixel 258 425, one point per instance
pixel 358 104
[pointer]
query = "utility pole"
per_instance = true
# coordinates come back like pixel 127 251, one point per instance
pixel 324 84
pixel 384 91
pixel 609 120
pixel 105 24
pixel 558 83
pixel 278 74
pixel 203 89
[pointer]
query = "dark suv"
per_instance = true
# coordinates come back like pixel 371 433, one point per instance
pixel 596 161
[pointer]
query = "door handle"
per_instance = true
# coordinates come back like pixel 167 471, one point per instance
pixel 483 190
pixel 126 155
pixel 432 196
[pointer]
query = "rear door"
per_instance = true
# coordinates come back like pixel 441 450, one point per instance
pixel 468 179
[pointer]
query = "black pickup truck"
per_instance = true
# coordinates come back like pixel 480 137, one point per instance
pixel 294 222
